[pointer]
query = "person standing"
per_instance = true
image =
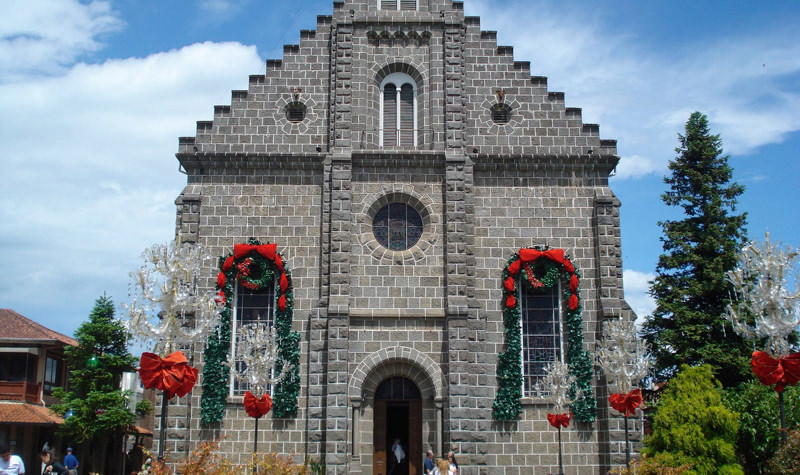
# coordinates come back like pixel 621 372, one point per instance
pixel 10 464
pixel 52 466
pixel 429 463
pixel 398 456
pixel 451 458
pixel 71 462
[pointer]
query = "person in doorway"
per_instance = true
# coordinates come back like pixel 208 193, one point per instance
pixel 451 459
pixel 429 463
pixel 10 464
pixel 51 465
pixel 398 458
pixel 71 462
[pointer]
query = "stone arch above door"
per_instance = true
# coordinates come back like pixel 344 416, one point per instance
pixel 397 361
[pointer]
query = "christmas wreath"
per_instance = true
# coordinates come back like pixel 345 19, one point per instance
pixel 254 266
pixel 550 266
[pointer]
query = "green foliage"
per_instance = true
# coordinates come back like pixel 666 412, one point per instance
pixel 216 374
pixel 688 325
pixel 759 435
pixel 787 460
pixel 99 408
pixel 691 426
pixel 507 404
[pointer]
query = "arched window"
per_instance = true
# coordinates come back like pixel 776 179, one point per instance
pixel 252 307
pixel 397 4
pixel 398 111
pixel 542 344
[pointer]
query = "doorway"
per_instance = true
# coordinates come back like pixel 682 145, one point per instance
pixel 398 416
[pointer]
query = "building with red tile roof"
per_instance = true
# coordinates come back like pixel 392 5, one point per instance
pixel 31 367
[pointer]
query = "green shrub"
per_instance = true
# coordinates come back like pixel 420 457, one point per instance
pixel 759 436
pixel 691 426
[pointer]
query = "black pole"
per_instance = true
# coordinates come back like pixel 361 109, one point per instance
pixel 627 443
pixel 255 448
pixel 560 463
pixel 162 438
pixel 783 417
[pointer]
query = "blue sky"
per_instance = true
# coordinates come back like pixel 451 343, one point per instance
pixel 94 95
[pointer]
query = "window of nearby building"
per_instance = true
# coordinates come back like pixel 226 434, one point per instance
pixel 501 113
pixel 18 367
pixel 398 4
pixel 252 307
pixel 51 374
pixel 398 111
pixel 541 334
pixel 397 226
pixel 295 112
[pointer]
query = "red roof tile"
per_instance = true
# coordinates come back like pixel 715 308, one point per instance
pixel 14 326
pixel 24 413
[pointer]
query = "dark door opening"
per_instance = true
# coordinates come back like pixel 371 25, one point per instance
pixel 397 418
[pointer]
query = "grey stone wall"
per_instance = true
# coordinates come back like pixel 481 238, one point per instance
pixel 431 313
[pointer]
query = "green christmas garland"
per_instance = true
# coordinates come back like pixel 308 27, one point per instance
pixel 253 265
pixel 552 265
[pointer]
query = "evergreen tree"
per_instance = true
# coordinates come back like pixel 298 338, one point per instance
pixel 692 427
pixel 688 325
pixel 94 408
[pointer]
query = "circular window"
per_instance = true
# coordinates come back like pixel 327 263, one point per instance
pixel 397 226
pixel 501 113
pixel 295 112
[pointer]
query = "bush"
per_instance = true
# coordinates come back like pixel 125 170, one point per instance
pixel 758 437
pixel 205 460
pixel 691 426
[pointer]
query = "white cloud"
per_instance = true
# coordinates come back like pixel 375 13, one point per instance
pixel 43 36
pixel 747 83
pixel 637 286
pixel 89 169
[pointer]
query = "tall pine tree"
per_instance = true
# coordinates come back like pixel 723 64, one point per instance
pixel 94 408
pixel 688 325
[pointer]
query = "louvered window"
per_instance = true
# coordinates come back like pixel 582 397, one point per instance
pixel 390 115
pixel 398 114
pixel 406 116
pixel 501 114
pixel 403 5
pixel 295 112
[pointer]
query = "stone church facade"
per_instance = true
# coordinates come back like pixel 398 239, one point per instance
pixel 399 158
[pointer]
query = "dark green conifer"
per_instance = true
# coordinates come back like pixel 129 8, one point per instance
pixel 688 325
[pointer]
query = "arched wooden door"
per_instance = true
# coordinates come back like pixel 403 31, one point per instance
pixel 398 415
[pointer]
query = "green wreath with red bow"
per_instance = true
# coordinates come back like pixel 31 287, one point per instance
pixel 253 265
pixel 540 270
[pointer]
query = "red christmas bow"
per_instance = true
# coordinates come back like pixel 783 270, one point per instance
pixel 781 372
pixel 626 403
pixel 559 420
pixel 257 407
pixel 528 255
pixel 266 250
pixel 172 374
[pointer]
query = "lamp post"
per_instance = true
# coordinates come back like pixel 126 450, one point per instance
pixel 169 307
pixel 556 385
pixel 256 356
pixel 625 361
pixel 761 284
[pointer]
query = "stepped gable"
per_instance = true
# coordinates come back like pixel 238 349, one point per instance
pixel 534 122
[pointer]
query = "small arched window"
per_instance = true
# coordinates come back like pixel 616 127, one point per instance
pixel 501 113
pixel 398 111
